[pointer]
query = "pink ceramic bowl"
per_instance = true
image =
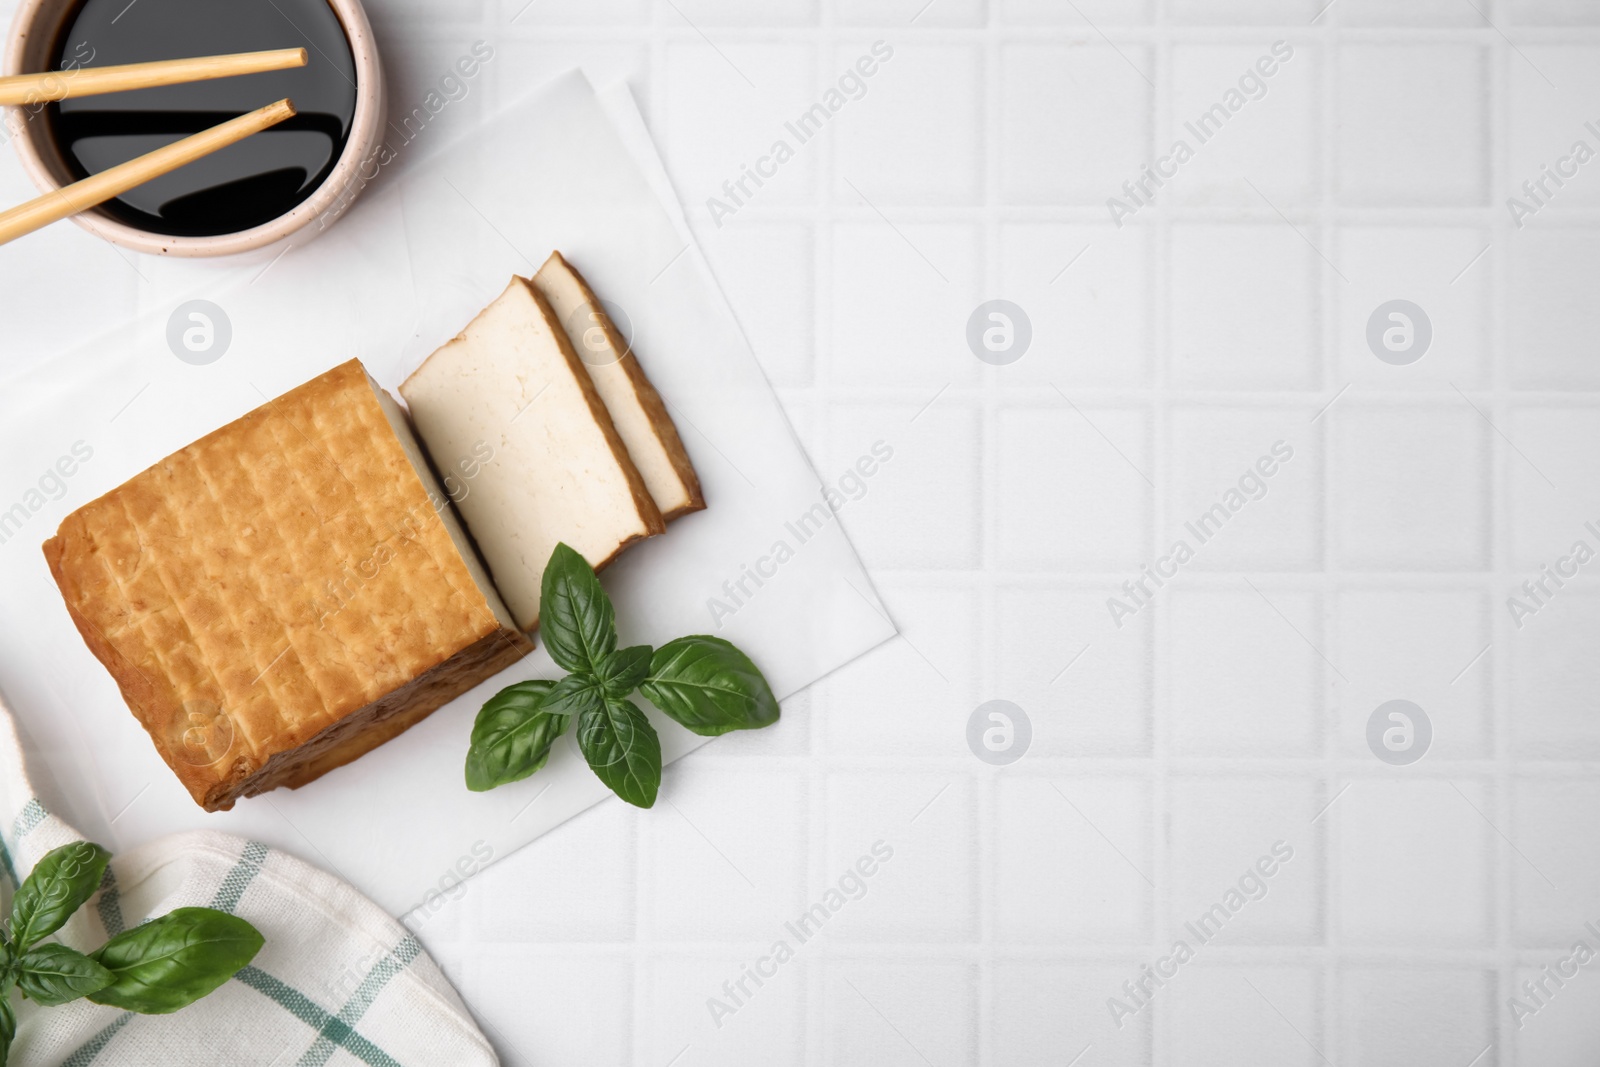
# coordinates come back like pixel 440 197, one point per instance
pixel 33 33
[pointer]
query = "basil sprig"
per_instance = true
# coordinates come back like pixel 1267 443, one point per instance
pixel 159 967
pixel 59 885
pixel 512 736
pixel 703 683
pixel 171 962
pixel 576 618
pixel 54 974
pixel 622 749
pixel 709 686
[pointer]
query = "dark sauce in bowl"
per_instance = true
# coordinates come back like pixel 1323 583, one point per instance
pixel 246 184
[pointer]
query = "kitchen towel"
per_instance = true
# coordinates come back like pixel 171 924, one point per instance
pixel 408 267
pixel 338 982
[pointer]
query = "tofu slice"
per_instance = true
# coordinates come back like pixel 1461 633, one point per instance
pixel 636 408
pixel 285 594
pixel 509 411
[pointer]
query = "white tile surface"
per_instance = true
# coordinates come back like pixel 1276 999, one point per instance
pixel 1222 1016
pixel 1415 13
pixel 732 13
pixel 1098 462
pixel 1243 683
pixel 874 1007
pixel 1412 126
pixel 710 850
pixel 614 13
pixel 1078 852
pixel 754 88
pixel 1247 12
pixel 1167 355
pixel 1243 300
pixel 1262 465
pixel 921 508
pixel 1407 1015
pixel 1085 682
pixel 1551 880
pixel 1410 490
pixel 908 134
pixel 543 993
pixel 927 891
pixel 1075 121
pixel 675 988
pixel 1446 271
pixel 1414 861
pixel 865 709
pixel 1044 1010
pixel 1546 523
pixel 1272 135
pixel 1083 12
pixel 1083 290
pixel 900 297
pixel 1378 654
pixel 1251 847
pixel 1552 268
pixel 1563 1028
pixel 587 860
pixel 900 13
pixel 1547 124
pixel 1552 679
pixel 1555 12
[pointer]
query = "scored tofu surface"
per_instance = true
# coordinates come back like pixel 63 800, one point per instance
pixel 512 388
pixel 284 594
pixel 635 407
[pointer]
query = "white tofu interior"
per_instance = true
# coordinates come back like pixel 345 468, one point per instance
pixel 598 346
pixel 555 472
pixel 436 493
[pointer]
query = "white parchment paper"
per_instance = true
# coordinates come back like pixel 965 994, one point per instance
pixel 402 273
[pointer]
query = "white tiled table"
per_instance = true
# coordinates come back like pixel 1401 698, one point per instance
pixel 1227 714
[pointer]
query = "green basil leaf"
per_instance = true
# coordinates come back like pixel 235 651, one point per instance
pixel 60 883
pixel 171 962
pixel 574 695
pixel 54 974
pixel 576 619
pixel 8 1029
pixel 623 749
pixel 621 672
pixel 512 736
pixel 708 686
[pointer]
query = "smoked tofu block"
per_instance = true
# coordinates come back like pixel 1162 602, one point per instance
pixel 635 407
pixel 285 594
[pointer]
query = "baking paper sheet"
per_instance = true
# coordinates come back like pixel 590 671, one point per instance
pixel 402 273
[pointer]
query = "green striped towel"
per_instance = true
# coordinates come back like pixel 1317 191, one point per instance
pixel 338 983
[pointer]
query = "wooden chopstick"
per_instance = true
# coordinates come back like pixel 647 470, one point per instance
pixel 91 81
pixel 98 188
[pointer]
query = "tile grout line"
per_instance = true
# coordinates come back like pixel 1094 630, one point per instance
pixel 989 785
pixel 1158 439
pixel 656 107
pixel 1332 701
pixel 1127 34
pixel 820 971
pixel 1497 532
pixel 1084 213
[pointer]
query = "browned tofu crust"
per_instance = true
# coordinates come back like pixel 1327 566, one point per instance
pixel 280 596
pixel 649 399
pixel 649 515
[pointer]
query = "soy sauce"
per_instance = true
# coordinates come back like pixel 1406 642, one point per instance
pixel 246 184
